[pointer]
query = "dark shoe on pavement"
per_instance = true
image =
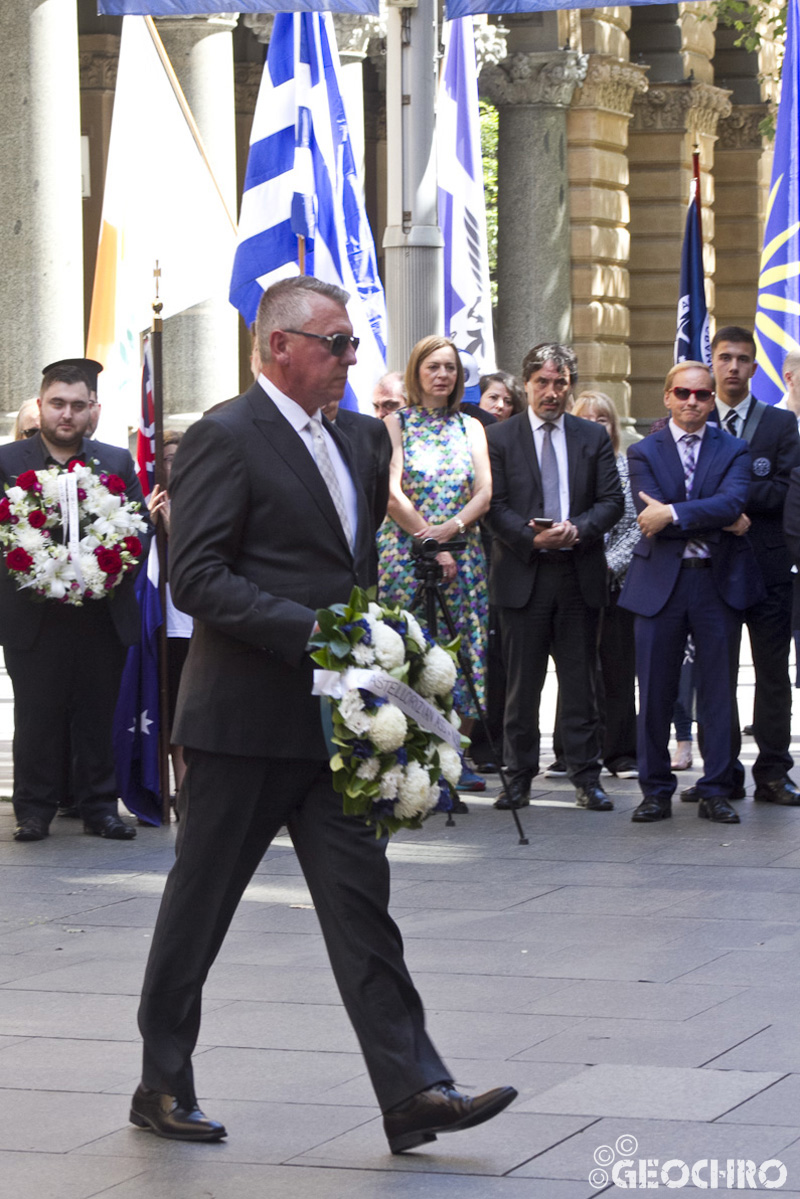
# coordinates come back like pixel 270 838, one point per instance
pixel 70 810
pixel 32 829
pixel 110 827
pixel 781 791
pixel 488 768
pixel 747 731
pixel 517 794
pixel 717 809
pixel 593 797
pixel 692 795
pixel 440 1109
pixel 163 1115
pixel 651 809
pixel 625 768
pixel 556 770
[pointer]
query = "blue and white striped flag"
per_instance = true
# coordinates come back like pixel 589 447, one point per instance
pixel 170 8
pixel 462 205
pixel 302 181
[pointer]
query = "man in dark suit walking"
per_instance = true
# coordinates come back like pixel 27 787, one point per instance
pixel 555 493
pixel 65 662
pixel 774 451
pixel 269 524
pixel 693 571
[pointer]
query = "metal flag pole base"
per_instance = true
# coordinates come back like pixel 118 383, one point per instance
pixel 429 593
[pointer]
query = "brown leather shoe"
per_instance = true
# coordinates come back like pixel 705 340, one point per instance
pixel 440 1109
pixel 163 1115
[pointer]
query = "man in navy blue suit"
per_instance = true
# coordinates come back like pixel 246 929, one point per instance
pixel 693 571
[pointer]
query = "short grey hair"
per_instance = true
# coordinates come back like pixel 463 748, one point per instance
pixel 550 351
pixel 287 305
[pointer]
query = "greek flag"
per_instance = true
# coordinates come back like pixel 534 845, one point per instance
pixel 778 311
pixel 301 181
pixel 171 8
pixel 463 8
pixel 462 207
pixel 692 340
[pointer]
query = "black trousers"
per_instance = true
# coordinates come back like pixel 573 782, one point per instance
pixel 770 627
pixel 231 808
pixel 65 692
pixel 555 621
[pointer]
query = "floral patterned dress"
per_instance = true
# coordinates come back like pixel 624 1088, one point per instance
pixel 438 479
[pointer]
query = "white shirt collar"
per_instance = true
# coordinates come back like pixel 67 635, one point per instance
pixel 740 409
pixel 537 422
pixel 297 417
pixel 677 432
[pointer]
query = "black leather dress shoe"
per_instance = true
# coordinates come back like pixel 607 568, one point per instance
pixel 517 794
pixel 651 809
pixel 110 827
pixel 717 808
pixel 782 791
pixel 440 1109
pixel 593 797
pixel 32 829
pixel 692 795
pixel 164 1116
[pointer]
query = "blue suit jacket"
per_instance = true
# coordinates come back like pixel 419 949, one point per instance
pixel 719 495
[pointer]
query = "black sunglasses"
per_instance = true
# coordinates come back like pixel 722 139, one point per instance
pixel 703 393
pixel 337 342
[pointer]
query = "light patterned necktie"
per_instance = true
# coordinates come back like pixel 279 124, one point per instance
pixel 326 469
pixel 691 442
pixel 551 489
pixel 732 422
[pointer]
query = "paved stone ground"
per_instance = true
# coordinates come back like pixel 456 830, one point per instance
pixel 637 984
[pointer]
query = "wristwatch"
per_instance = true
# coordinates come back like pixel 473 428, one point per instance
pixel 462 528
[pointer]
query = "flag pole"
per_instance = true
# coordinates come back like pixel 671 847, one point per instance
pixel 301 253
pixel 161 548
pixel 698 197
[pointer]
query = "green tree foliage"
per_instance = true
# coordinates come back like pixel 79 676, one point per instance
pixel 489 122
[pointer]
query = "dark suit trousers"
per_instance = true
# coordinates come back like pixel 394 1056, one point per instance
pixel 65 692
pixel 694 607
pixel 770 627
pixel 555 621
pixel 231 808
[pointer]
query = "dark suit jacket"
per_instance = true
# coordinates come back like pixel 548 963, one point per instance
pixel 719 494
pixel 596 503
pixel 20 614
pixel 256 547
pixel 774 448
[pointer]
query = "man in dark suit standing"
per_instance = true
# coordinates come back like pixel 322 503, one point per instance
pixel 555 493
pixel 693 571
pixel 774 451
pixel 65 662
pixel 268 525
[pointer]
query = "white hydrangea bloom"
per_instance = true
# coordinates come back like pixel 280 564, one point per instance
pixel 438 674
pixel 390 650
pixel 388 728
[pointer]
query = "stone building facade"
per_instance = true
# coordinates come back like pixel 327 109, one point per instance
pixel 599 111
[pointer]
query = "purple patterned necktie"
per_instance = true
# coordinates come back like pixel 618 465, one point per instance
pixel 691 443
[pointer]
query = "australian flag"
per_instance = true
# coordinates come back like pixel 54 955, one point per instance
pixel 692 339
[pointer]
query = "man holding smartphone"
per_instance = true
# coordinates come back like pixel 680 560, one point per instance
pixel 555 493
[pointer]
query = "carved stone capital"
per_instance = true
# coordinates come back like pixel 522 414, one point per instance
pixel 353 33
pixel 740 130
pixel 681 108
pixel 98 61
pixel 260 23
pixel 610 84
pixel 491 42
pixel 548 78
pixel 220 20
pixel 246 81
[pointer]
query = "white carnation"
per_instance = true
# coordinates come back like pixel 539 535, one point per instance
pixel 390 650
pixel 414 792
pixel 450 764
pixel 390 782
pixel 351 710
pixel 388 728
pixel 363 655
pixel 28 538
pixel 369 769
pixel 15 494
pixel 438 674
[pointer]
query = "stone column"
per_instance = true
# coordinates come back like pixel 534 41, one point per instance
pixel 201 346
pixel 532 92
pixel 597 128
pixel 742 169
pixel 668 121
pixel 99 59
pixel 40 194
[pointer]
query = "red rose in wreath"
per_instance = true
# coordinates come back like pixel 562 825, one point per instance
pixel 109 560
pixel 28 481
pixel 19 559
pixel 115 485
pixel 74 465
pixel 37 518
pixel 5 508
pixel 133 545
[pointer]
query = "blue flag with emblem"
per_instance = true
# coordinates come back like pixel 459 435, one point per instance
pixel 301 181
pixel 174 8
pixel 778 311
pixel 465 8
pixel 692 340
